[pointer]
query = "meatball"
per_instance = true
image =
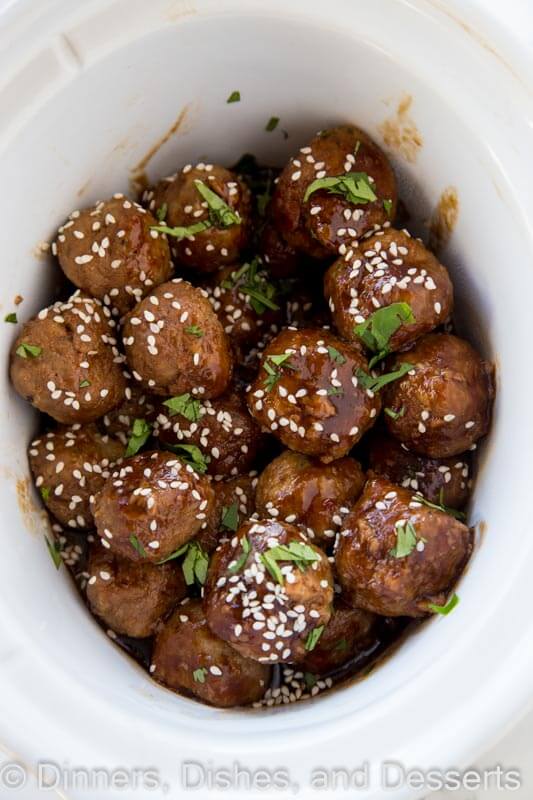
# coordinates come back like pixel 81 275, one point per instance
pixel 222 428
pixel 396 555
pixel 175 344
pixel 308 394
pixel 245 317
pixel 188 657
pixel 66 363
pixel 387 268
pixel 131 598
pixel 151 506
pixel 281 260
pixel 303 491
pixel 269 592
pixel 443 405
pixel 321 222
pixel 212 209
pixel 69 465
pixel 112 252
pixel 441 480
pixel 348 634
pixel 234 503
pixel 137 405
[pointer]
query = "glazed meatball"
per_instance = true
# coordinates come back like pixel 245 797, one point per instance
pixel 300 490
pixel 151 506
pixel 281 260
pixel 395 555
pixel 234 503
pixel 175 344
pixel 131 598
pixel 222 428
pixel 66 363
pixel 188 657
pixel 269 592
pixel 348 634
pixel 246 317
pixel 444 481
pixel 307 393
pixel 112 252
pixel 445 400
pixel 389 267
pixel 321 223
pixel 221 235
pixel 137 405
pixel 69 465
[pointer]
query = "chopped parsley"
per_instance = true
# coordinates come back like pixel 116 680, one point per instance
pixel 161 212
pixel 230 517
pixel 376 331
pixel 235 97
pixel 220 214
pixel 137 545
pixel 387 205
pixel 445 609
pixel 84 384
pixel 341 646
pixel 194 564
pixel 460 515
pixel 140 433
pixel 11 317
pixel 253 283
pixel 312 640
pixel 192 455
pixel 25 350
pixel 335 356
pixel 194 330
pixel 310 679
pixel 199 675
pixel 274 373
pixel 180 232
pixel 298 552
pixel 243 558
pixel 353 186
pixel 184 404
pixel 45 493
pixel 406 539
pixel 272 124
pixel 335 391
pixel 374 384
pixel 390 412
pixel 55 552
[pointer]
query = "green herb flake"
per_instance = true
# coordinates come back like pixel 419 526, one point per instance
pixel 192 455
pixel 194 330
pixel 298 552
pixel 180 232
pixel 220 213
pixel 235 97
pixel 137 545
pixel 376 331
pixel 195 564
pixel 460 515
pixel 445 609
pixel 387 205
pixel 274 373
pixel 26 350
pixel 335 356
pixel 161 212
pixel 406 539
pixel 341 646
pixel 55 552
pixel 243 558
pixel 374 384
pixel 199 675
pixel 272 124
pixel 84 384
pixel 11 318
pixel 45 493
pixel 335 391
pixel 140 433
pixel 310 679
pixel 184 404
pixel 176 554
pixel 253 283
pixel 390 412
pixel 230 517
pixel 356 148
pixel 312 640
pixel 353 186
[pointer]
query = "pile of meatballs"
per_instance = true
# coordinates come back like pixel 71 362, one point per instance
pixel 257 424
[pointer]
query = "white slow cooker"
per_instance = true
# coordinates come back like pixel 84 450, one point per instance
pixel 91 91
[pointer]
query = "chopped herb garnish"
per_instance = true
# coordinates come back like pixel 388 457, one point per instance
pixel 176 554
pixel 26 350
pixel 445 609
pixel 45 492
pixel 354 186
pixel 230 517
pixel 312 639
pixel 195 564
pixel 180 232
pixel 376 331
pixel 243 558
pixel 387 205
pixel 460 515
pixel 406 539
pixel 375 384
pixel 220 214
pixel 84 384
pixel 298 552
pixel 194 330
pixel 11 317
pixel 161 212
pixel 192 455
pixel 253 283
pixel 341 645
pixel 278 360
pixel 272 124
pixel 140 434
pixel 335 391
pixel 310 679
pixel 262 200
pixel 356 148
pixel 234 97
pixel 390 412
pixel 199 675
pixel 274 373
pixel 184 404
pixel 335 356
pixel 137 545
pixel 55 552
